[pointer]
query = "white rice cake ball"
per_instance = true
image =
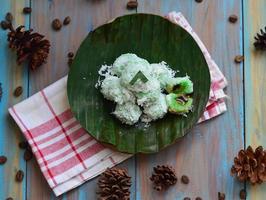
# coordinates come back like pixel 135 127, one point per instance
pixel 162 72
pixel 113 91
pixel 148 92
pixel 156 111
pixel 139 86
pixel 128 113
pixel 125 60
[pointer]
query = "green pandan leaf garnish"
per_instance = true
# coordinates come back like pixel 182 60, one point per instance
pixel 139 76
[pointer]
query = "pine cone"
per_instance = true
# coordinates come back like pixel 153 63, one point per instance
pixel 30 46
pixel 250 166
pixel 260 40
pixel 163 177
pixel 114 184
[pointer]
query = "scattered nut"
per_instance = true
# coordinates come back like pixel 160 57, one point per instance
pixel 19 176
pixel 221 196
pixel 233 18
pixel 239 59
pixel 70 55
pixel 18 91
pixel 243 194
pixel 56 24
pixel 198 1
pixel 3 160
pixel 23 145
pixel 185 179
pixel 70 61
pixel 27 10
pixel 67 20
pixel 132 4
pixel 9 17
pixel 28 155
pixel 5 25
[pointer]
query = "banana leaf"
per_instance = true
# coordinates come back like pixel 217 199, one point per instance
pixel 155 39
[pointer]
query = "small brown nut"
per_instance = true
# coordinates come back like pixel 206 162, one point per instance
pixel 239 59
pixel 27 10
pixel 23 145
pixel 27 155
pixel 198 1
pixel 185 179
pixel 3 160
pixel 70 61
pixel 67 20
pixel 9 198
pixel 56 24
pixel 186 198
pixel 5 25
pixel 18 91
pixel 243 194
pixel 132 4
pixel 70 55
pixel 9 17
pixel 233 18
pixel 198 198
pixel 19 176
pixel 221 196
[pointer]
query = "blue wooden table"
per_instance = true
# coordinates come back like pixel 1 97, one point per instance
pixel 206 154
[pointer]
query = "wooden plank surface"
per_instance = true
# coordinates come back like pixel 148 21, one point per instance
pixel 206 154
pixel 11 76
pixel 86 15
pixel 255 73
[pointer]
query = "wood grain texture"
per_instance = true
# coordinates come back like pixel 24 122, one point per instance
pixel 86 15
pixel 206 154
pixel 11 76
pixel 255 93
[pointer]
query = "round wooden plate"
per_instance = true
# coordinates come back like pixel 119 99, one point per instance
pixel 155 39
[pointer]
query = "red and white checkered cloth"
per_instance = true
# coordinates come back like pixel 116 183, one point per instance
pixel 66 154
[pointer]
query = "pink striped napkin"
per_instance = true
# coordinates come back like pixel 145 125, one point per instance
pixel 66 154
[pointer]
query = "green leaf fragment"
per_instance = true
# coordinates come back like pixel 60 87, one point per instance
pixel 139 76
